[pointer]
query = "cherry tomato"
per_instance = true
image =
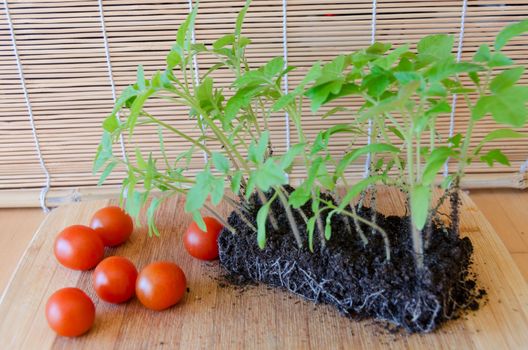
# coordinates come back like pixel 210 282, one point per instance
pixel 79 247
pixel 160 285
pixel 203 245
pixel 114 279
pixel 70 312
pixel 113 225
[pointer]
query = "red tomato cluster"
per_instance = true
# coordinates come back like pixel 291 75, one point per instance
pixel 160 285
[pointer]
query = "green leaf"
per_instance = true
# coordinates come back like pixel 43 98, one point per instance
pixel 273 67
pixel 396 132
pixel 288 158
pixel 474 78
pixel 142 165
pixel 228 39
pixel 434 163
pixel 495 155
pixel 299 196
pixel 106 172
pixel 434 48
pixel 198 219
pixel 506 79
pixel 269 174
pixel 508 106
pixel 357 188
pixel 151 215
pixel 509 32
pixel 235 182
pixel 111 123
pixel 240 18
pixel 310 226
pixel 262 216
pixel 141 78
pixel 184 30
pixel 217 190
pixel 257 151
pixel 500 60
pixel 104 152
pixel 503 134
pixel 352 156
pixel 220 162
pixel 420 200
pixel 483 54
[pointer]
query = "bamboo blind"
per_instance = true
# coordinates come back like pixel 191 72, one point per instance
pixel 61 49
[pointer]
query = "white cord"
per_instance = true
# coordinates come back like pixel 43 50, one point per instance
pixel 46 188
pixel 197 77
pixel 454 100
pixel 285 55
pixel 369 137
pixel 111 74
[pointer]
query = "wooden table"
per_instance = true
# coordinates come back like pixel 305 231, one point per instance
pixel 215 316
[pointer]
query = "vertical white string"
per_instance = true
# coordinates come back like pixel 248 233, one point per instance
pixel 197 74
pixel 47 185
pixel 369 135
pixel 111 74
pixel 285 78
pixel 524 167
pixel 458 57
pixel 285 56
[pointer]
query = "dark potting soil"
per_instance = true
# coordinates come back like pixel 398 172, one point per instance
pixel 357 279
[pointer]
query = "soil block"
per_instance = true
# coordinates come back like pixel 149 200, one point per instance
pixel 355 278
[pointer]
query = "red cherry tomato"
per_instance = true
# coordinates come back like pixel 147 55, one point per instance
pixel 203 245
pixel 160 285
pixel 79 247
pixel 70 312
pixel 114 279
pixel 113 225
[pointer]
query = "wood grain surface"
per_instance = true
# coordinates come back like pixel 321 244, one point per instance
pixel 215 316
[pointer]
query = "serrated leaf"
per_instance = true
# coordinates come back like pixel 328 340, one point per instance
pixel 288 158
pixel 235 182
pixel 508 106
pixel 299 197
pixel 506 79
pixel 509 32
pixel 220 162
pixel 434 48
pixel 269 175
pixel 420 200
pixel 495 155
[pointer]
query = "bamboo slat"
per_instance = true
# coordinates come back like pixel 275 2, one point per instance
pixel 211 316
pixel 60 44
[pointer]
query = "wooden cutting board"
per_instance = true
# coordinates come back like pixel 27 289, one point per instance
pixel 215 316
